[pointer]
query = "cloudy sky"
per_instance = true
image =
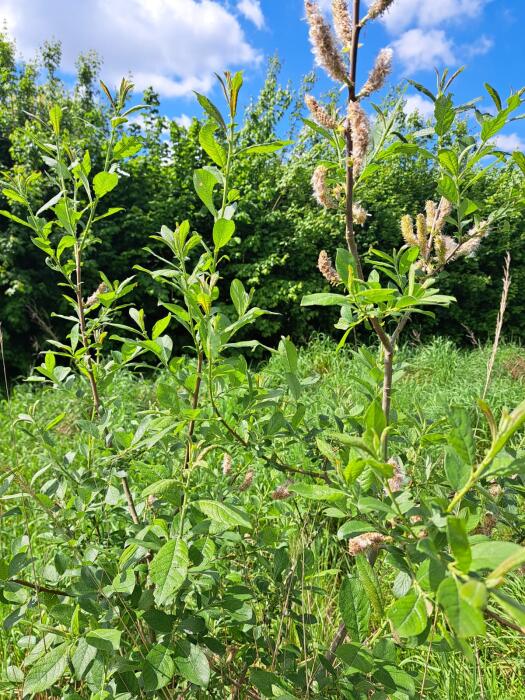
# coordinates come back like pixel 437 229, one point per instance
pixel 176 45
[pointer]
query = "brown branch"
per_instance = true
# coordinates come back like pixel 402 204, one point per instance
pixel 40 589
pixel 194 403
pixel 503 622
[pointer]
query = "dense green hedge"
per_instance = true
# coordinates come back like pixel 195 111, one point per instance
pixel 281 229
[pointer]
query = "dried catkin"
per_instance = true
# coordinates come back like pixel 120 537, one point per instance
pixel 248 480
pixel 397 480
pixel 324 45
pixel 379 73
pixel 282 492
pixel 360 133
pixel 368 540
pixel 327 270
pixel 342 21
pixel 319 114
pixel 320 188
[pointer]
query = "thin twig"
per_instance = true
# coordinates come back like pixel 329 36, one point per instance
pixel 40 589
pixel 499 322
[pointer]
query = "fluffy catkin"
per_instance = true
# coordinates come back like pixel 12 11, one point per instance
pixel 327 269
pixel 378 8
pixel 360 132
pixel 319 113
pixel 359 215
pixel 342 21
pixel 397 480
pixel 320 188
pixel 94 297
pixel 226 464
pixel 422 234
pixel 379 73
pixel 470 246
pixel 281 493
pixel 407 230
pixel 324 45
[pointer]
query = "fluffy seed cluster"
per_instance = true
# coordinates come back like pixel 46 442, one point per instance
pixel 226 464
pixel 379 73
pixel 320 188
pixel 94 297
pixel 324 44
pixel 359 214
pixel 368 540
pixel 248 480
pixel 360 132
pixel 327 269
pixel 319 114
pixel 378 8
pixel 342 22
pixel 407 230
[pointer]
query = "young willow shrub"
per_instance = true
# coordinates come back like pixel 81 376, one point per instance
pixel 177 569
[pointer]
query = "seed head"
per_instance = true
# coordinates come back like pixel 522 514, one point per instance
pixel 226 464
pixel 397 480
pixel 324 44
pixel 379 73
pixel 407 230
pixel 470 246
pixel 320 188
pixel 319 114
pixel 360 132
pixel 248 480
pixel 368 540
pixel 378 8
pixel 342 21
pixel 327 270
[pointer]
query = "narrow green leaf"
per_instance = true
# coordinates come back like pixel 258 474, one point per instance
pixel 223 230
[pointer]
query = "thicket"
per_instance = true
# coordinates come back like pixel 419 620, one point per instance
pixel 280 229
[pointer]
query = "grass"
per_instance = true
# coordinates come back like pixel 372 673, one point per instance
pixel 435 376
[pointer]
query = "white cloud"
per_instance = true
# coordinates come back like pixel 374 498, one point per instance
pixel 479 48
pixel 173 45
pixel 422 50
pixel 509 142
pixel 251 9
pixel 429 13
pixel 183 120
pixel 418 103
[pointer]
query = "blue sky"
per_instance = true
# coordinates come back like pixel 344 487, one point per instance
pixel 176 45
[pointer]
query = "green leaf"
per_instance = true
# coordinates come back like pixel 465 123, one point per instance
pixel 409 615
pixel 324 299
pixel 370 583
pixel 519 158
pixel 447 188
pixel 459 544
pixel 491 554
pixel 265 148
pixel 158 668
pixel 495 96
pixel 465 620
pixel 168 570
pixel 160 326
pixel 47 670
pixel 223 230
pixel 16 219
pixel 456 470
pixel 223 514
pixel 354 608
pixel 126 147
pixel 104 639
pixel 210 145
pixel 496 577
pixel 444 114
pixel 103 183
pixel 355 656
pixel 317 492
pixel 192 663
pixel 211 110
pixel 204 183
pixel 55 118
